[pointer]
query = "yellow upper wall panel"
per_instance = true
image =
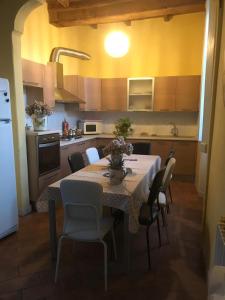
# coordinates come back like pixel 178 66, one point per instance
pixel 39 36
pixel 157 48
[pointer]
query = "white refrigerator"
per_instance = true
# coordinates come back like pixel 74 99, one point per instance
pixel 8 196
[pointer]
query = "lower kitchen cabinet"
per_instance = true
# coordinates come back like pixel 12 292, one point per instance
pixel 64 165
pixel 161 148
pixel 67 150
pixel 47 179
pixel 185 154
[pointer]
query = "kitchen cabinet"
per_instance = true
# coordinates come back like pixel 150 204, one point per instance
pixel 114 94
pixel 140 94
pixel 92 94
pixel 48 179
pixel 48 86
pixel 161 148
pixel 67 150
pixel 185 154
pixel 177 93
pixel 33 73
pixel 64 165
pixel 38 81
pixel 165 93
pixel 75 85
pixel 188 93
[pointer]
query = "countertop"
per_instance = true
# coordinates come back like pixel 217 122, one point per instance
pixel 133 137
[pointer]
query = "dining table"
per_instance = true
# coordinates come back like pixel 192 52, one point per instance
pixel 127 196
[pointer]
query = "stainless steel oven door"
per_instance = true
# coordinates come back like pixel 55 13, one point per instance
pixel 48 157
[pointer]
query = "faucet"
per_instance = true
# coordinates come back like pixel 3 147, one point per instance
pixel 174 129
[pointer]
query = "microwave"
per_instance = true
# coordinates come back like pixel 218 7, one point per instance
pixel 90 126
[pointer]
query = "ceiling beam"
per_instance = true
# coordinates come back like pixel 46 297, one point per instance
pixel 64 3
pixel 111 11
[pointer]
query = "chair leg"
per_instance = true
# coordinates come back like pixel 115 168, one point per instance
pixel 105 264
pixel 167 204
pixel 170 192
pixel 166 228
pixel 159 233
pixel 163 216
pixel 114 244
pixel 148 247
pixel 58 258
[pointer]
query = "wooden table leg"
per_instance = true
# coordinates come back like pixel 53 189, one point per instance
pixel 52 228
pixel 127 238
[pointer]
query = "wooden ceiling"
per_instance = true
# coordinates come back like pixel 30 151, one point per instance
pixel 93 12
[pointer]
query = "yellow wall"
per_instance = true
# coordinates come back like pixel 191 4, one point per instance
pixel 39 36
pixel 157 47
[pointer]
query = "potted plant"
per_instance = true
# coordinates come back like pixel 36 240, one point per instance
pixel 123 128
pixel 116 149
pixel 39 111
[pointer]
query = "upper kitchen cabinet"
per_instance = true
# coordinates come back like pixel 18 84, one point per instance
pixel 140 94
pixel 48 86
pixel 177 93
pixel 33 73
pixel 114 94
pixel 75 85
pixel 39 83
pixel 165 93
pixel 188 93
pixel 92 94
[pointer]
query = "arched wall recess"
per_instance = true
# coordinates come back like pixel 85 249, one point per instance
pixel 11 28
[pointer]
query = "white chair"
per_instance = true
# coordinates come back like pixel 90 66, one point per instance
pixel 92 155
pixel 83 220
pixel 162 198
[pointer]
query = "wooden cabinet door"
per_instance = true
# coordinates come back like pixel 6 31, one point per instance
pixel 48 86
pixel 92 95
pixel 64 165
pixel 161 148
pixel 114 94
pixel 75 85
pixel 48 179
pixel 188 93
pixel 185 154
pixel 164 93
pixel 33 73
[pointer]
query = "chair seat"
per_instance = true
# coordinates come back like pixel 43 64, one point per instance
pixel 84 231
pixel 145 216
pixel 162 198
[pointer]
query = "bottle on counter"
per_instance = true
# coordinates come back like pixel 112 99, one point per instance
pixel 65 128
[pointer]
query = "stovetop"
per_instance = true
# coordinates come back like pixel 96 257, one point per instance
pixel 71 138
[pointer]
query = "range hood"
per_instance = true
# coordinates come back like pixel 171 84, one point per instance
pixel 60 94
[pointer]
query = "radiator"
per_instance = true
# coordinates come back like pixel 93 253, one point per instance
pixel 219 258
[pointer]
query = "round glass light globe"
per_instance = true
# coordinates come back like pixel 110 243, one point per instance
pixel 116 44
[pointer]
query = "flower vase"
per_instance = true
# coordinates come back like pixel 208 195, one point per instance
pixel 39 123
pixel 116 176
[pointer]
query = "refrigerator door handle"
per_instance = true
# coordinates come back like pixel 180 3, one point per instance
pixel 5 120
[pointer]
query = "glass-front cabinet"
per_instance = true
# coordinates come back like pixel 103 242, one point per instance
pixel 140 94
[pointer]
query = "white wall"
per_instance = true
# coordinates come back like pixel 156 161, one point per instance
pixel 149 122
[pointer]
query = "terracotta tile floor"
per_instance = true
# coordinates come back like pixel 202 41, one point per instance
pixel 27 272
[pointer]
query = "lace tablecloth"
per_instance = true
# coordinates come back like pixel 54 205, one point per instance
pixel 127 196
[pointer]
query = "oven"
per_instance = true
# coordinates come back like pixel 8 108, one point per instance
pixel 48 153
